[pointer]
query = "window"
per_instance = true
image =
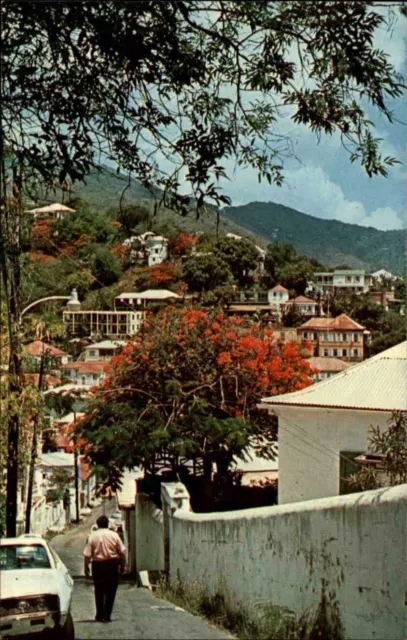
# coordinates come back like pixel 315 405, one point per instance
pixel 92 352
pixel 326 352
pixel 315 336
pixel 355 353
pixel 356 337
pixel 344 353
pixel 305 335
pixel 348 279
pixel 335 353
pixel 325 337
pixel 357 278
pixel 345 337
pixel 24 557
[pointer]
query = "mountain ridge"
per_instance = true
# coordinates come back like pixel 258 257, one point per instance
pixel 330 241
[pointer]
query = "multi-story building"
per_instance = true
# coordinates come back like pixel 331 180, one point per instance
pixel 343 280
pixel 339 337
pixel 113 324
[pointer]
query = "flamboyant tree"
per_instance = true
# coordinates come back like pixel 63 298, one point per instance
pixel 187 387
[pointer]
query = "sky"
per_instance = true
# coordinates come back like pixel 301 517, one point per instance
pixel 324 183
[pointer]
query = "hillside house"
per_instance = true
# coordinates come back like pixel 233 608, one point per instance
pixel 104 350
pixel 151 248
pixel 323 428
pixel 327 367
pixel 52 461
pixel 339 337
pixel 343 280
pixel 112 324
pixel 261 253
pixel 89 373
pixel 144 298
pixel 387 300
pixel 34 351
pixel 302 305
pixel 278 295
pixel 382 274
pixel 57 211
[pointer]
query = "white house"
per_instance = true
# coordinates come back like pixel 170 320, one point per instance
pixel 303 305
pixel 89 373
pixel 344 280
pixel 156 249
pixel 278 295
pixel 104 350
pixel 323 428
pixel 383 274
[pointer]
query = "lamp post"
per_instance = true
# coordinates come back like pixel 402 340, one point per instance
pixel 72 299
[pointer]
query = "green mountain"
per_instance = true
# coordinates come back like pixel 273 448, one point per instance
pixel 329 241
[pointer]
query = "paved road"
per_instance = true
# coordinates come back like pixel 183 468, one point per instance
pixel 137 613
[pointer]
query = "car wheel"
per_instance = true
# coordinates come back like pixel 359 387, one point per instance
pixel 67 632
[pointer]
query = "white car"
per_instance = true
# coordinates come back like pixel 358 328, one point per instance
pixel 36 590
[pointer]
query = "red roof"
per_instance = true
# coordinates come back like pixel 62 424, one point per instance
pixel 38 347
pixel 279 287
pixel 301 300
pixel 93 366
pixel 342 322
pixel 64 442
pixel 328 364
pixel 50 381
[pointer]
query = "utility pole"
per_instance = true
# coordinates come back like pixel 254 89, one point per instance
pixel 34 447
pixel 76 471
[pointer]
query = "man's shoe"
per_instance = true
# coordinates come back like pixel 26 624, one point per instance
pixel 99 619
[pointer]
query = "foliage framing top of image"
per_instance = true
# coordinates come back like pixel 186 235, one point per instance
pixel 185 85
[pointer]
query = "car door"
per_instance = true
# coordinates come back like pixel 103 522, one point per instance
pixel 65 581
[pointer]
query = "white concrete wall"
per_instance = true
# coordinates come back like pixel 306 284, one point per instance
pixel 149 541
pixel 309 442
pixel 352 547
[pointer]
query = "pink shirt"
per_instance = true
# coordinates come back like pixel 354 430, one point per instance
pixel 104 544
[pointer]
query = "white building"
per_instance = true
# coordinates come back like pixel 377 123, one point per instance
pixel 302 305
pixel 278 295
pixel 343 280
pixel 56 210
pixel 383 274
pixel 38 349
pixel 114 324
pixel 323 428
pixel 104 350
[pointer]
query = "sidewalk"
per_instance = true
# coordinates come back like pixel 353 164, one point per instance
pixel 137 614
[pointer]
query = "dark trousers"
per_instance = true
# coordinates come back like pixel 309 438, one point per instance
pixel 105 576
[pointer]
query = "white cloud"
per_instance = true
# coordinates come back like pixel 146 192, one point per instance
pixel 392 39
pixel 385 218
pixel 311 190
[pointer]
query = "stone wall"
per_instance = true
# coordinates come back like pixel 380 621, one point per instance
pixel 348 551
pixel 149 542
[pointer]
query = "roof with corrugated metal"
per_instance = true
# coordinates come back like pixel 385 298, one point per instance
pixel 377 384
pixel 340 322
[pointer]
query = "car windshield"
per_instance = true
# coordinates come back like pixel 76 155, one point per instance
pixel 33 556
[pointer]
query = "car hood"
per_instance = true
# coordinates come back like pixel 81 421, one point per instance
pixel 16 584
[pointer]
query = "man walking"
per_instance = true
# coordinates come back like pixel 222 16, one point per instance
pixel 106 551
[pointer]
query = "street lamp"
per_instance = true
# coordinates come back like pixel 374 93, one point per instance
pixel 73 301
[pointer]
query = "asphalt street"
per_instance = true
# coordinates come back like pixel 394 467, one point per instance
pixel 137 613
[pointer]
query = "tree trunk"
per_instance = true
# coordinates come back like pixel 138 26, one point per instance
pixel 33 454
pixel 76 472
pixel 10 252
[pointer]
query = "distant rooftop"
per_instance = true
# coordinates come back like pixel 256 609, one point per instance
pixel 38 347
pixel 342 322
pixel 106 344
pixel 51 208
pixel 149 294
